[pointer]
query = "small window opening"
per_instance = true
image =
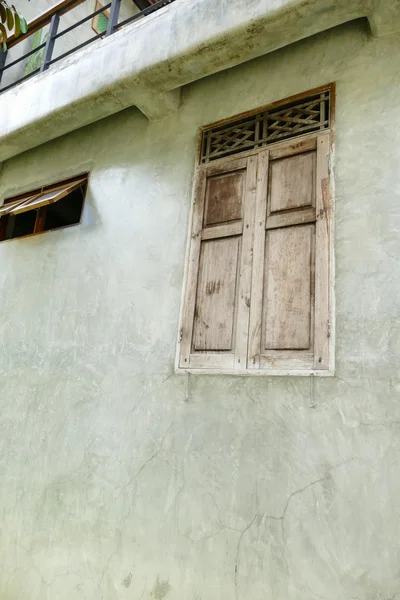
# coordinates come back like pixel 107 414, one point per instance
pixel 51 207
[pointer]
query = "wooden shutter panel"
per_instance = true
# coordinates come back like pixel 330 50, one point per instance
pixel 289 325
pixel 288 290
pixel 216 308
pixel 216 294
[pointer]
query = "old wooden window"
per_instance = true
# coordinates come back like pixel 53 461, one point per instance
pixel 258 296
pixel 51 207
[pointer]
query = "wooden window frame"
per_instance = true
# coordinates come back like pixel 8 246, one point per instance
pixel 26 198
pixel 321 360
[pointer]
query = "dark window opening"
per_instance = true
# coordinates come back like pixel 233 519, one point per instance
pixel 66 211
pixel 22 224
pixel 52 207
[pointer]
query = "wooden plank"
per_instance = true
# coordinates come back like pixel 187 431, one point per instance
pixel 292 183
pixel 243 309
pixel 323 258
pixel 3 227
pixel 287 360
pixel 219 231
pixel 40 220
pixel 224 197
pixel 192 270
pixel 292 147
pixel 227 164
pixel 312 289
pixel 287 291
pixel 297 217
pixel 221 361
pixel 257 278
pixel 216 295
pixel 301 371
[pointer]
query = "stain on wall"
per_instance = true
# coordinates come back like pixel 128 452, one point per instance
pixel 127 581
pixel 161 589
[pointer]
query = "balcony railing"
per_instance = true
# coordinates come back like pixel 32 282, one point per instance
pixel 62 30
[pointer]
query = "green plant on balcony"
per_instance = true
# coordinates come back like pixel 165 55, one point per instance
pixel 11 21
pixel 35 60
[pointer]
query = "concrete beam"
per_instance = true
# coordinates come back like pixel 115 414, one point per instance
pixel 154 104
pixel 385 18
pixel 146 63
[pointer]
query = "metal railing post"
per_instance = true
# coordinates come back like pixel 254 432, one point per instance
pixel 113 19
pixel 3 56
pixel 48 49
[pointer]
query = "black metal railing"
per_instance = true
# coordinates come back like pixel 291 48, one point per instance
pixel 52 19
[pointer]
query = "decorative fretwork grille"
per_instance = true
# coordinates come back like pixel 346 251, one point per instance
pixel 289 120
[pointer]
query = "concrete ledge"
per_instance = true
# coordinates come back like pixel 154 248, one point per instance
pixel 146 63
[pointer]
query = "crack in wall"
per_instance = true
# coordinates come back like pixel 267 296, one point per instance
pixel 281 518
pixel 150 459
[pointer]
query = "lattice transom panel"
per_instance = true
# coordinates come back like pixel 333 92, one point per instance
pixel 288 120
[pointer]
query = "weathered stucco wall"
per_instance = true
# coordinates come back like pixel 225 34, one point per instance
pixel 122 480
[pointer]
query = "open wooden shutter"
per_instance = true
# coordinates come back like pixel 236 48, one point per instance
pixel 45 198
pixel 9 206
pixel 216 309
pixel 289 327
pixel 40 199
